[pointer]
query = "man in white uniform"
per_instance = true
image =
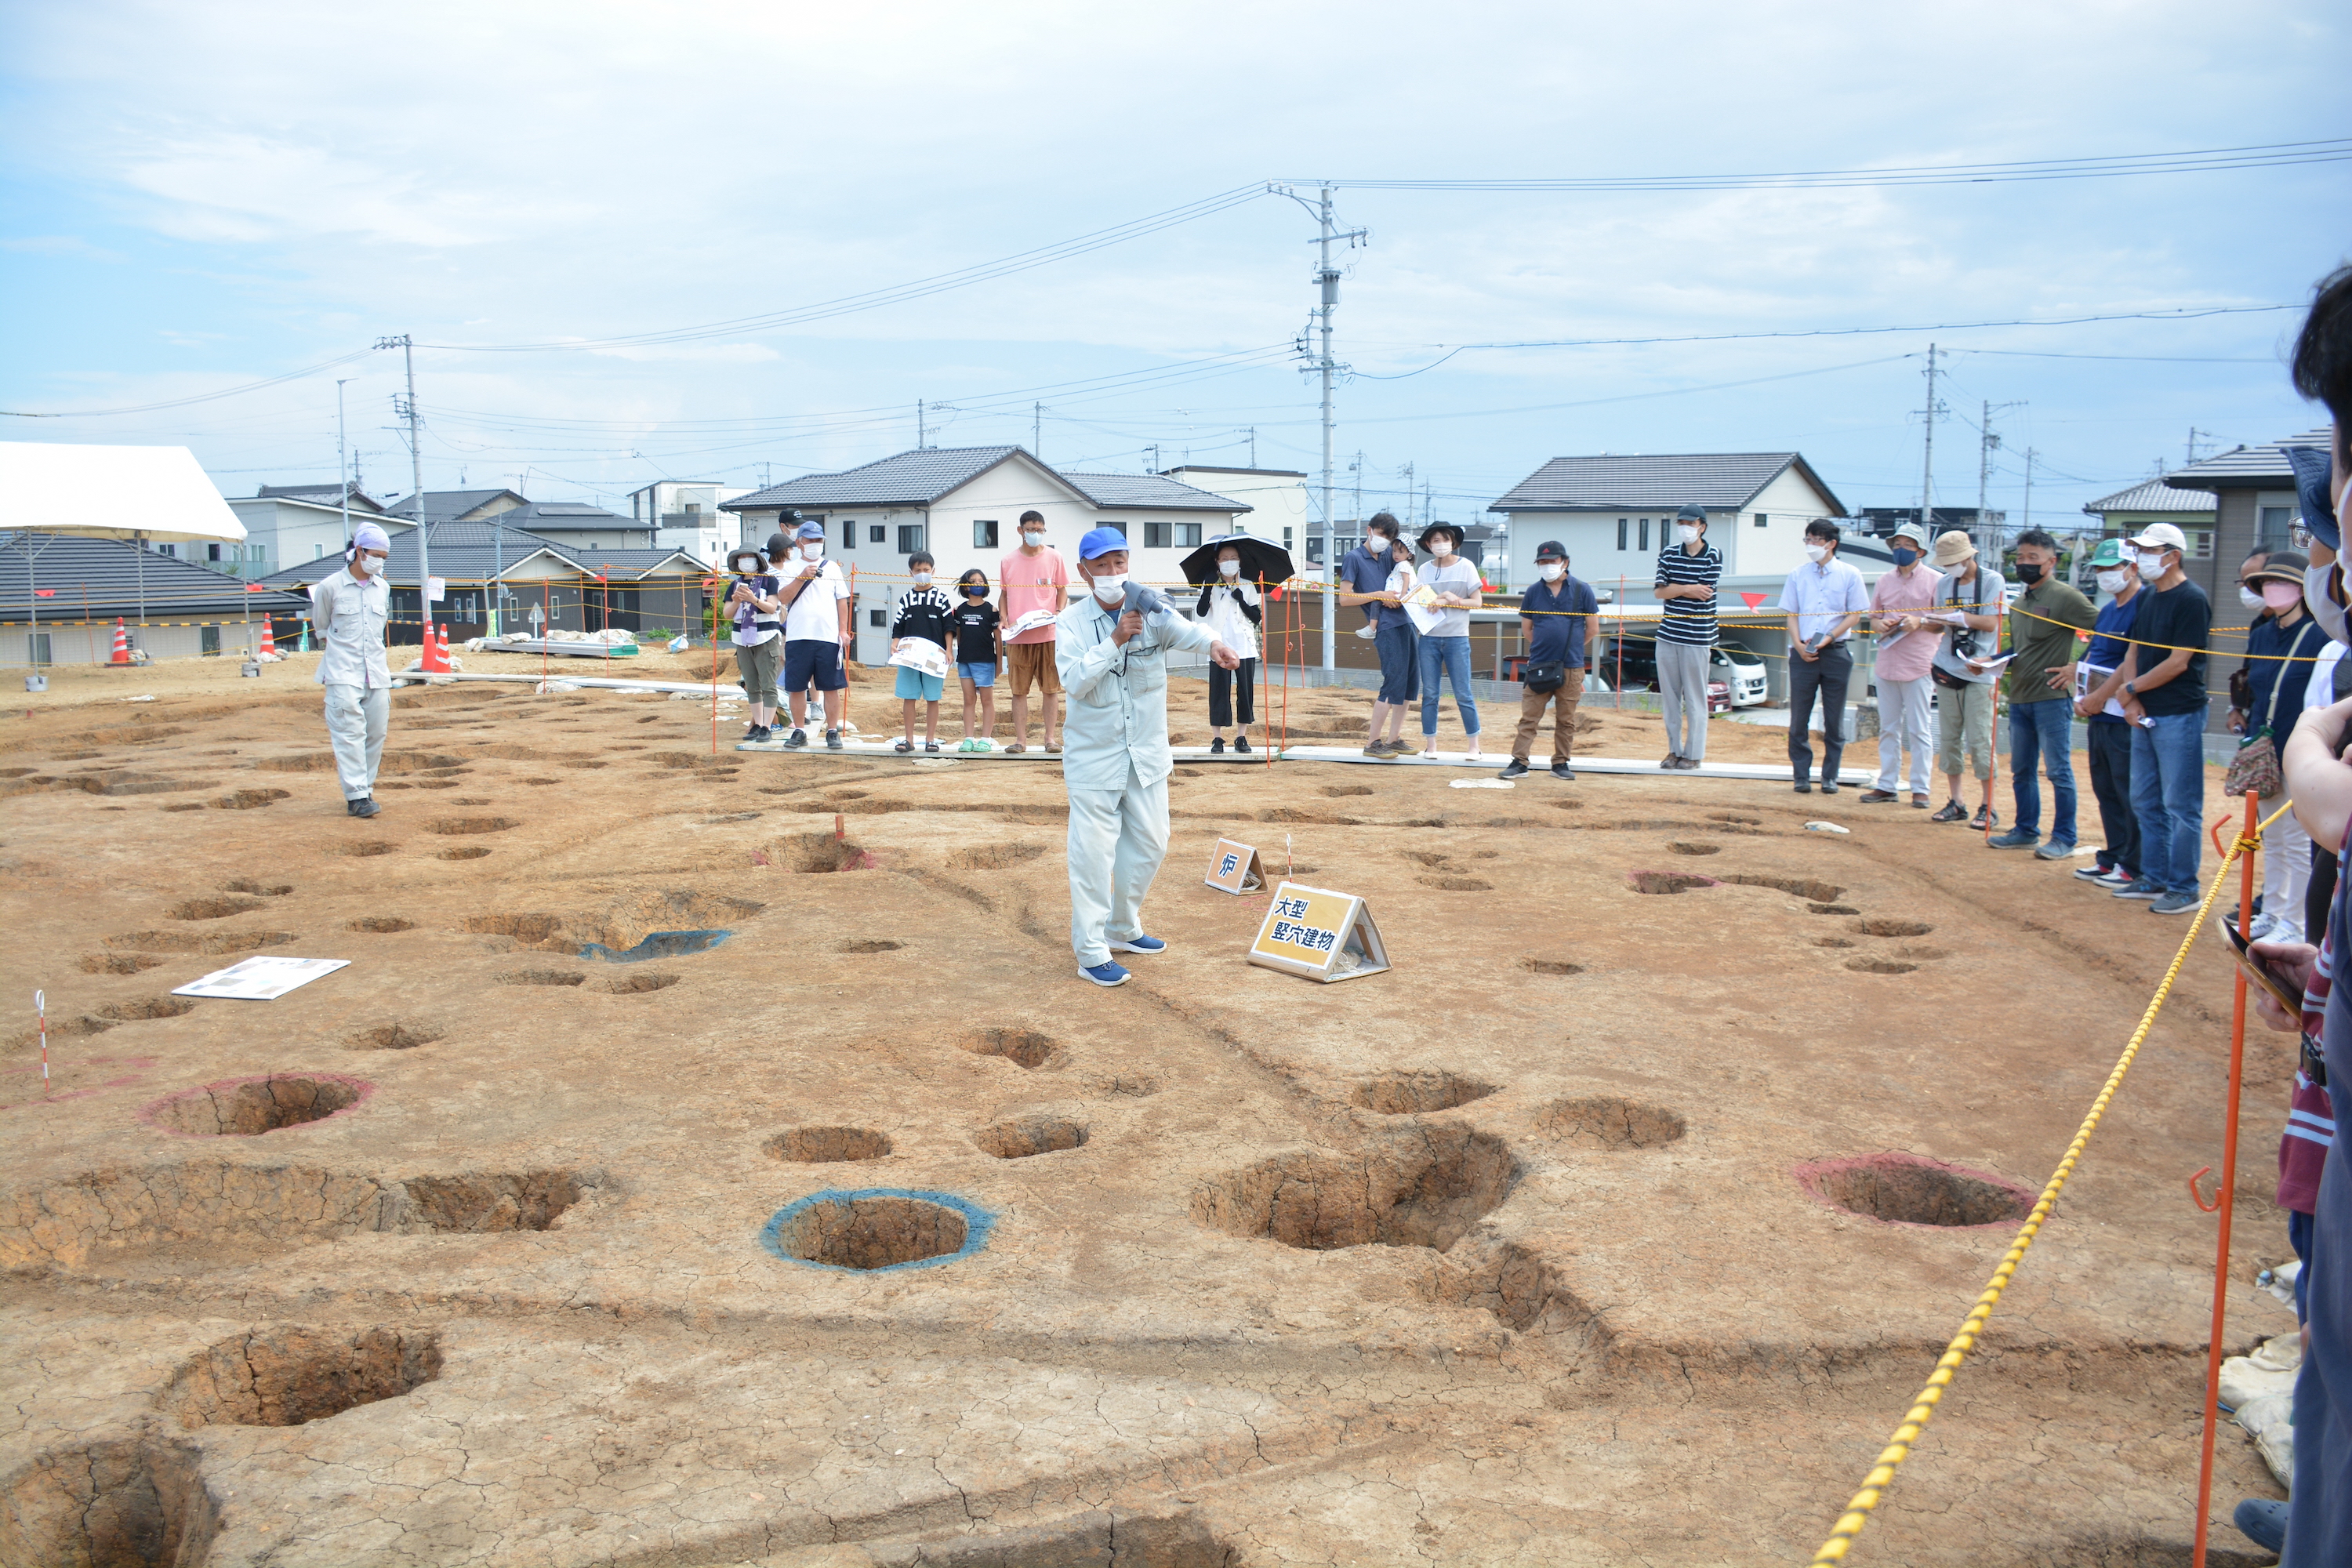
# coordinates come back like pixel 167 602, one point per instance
pixel 349 611
pixel 1109 650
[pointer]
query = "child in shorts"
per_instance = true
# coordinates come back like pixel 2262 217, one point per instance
pixel 923 612
pixel 978 647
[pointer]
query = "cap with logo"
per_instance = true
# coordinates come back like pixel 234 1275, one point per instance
pixel 1552 549
pixel 2110 552
pixel 2162 536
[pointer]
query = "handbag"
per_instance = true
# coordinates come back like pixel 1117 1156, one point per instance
pixel 2256 765
pixel 1548 677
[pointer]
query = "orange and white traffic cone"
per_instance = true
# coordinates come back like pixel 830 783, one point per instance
pixel 434 661
pixel 269 639
pixel 446 662
pixel 121 644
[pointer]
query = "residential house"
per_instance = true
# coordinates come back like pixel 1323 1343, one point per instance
pixel 1280 510
pixel 578 525
pixel 1613 514
pixel 684 515
pixel 60 594
pixel 2251 493
pixel 286 525
pixel 652 590
pixel 533 575
pixel 459 506
pixel 962 504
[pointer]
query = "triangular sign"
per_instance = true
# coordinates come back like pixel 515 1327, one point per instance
pixel 1235 868
pixel 1322 935
pixel 1754 600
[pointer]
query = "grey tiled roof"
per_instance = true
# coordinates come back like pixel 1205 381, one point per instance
pixel 636 563
pixel 541 514
pixel 442 505
pixel 319 495
pixel 2240 468
pixel 910 479
pixel 1151 492
pixel 462 552
pixel 2154 496
pixel 98 579
pixel 1720 481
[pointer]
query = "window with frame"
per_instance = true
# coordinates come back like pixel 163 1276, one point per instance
pixel 1621 533
pixel 877 534
pixel 1188 534
pixel 1285 539
pixel 1761 520
pixel 36 647
pixel 2271 526
pixel 2200 544
pixel 1645 533
pixel 876 619
pixel 913 536
pixel 849 533
pixel 984 534
pixel 1155 536
pixel 1118 527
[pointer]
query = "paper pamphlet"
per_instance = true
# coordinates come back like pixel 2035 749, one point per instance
pixel 2088 677
pixel 1986 665
pixel 921 654
pixel 1418 606
pixel 1030 623
pixel 260 979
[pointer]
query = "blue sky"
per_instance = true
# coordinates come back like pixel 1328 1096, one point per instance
pixel 196 197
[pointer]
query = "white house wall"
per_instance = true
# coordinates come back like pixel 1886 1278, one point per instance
pixel 1776 549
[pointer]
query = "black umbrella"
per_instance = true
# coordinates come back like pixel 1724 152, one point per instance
pixel 1261 561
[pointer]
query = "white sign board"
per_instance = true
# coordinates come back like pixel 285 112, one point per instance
pixel 260 979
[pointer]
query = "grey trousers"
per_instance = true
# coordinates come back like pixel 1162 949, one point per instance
pixel 356 719
pixel 1681 696
pixel 1826 678
pixel 1905 721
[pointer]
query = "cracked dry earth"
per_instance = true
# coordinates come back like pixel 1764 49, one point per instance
pixel 1616 1225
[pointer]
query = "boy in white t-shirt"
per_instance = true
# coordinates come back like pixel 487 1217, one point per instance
pixel 816 636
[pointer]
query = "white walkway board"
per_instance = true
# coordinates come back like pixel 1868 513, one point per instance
pixel 867 748
pixel 594 682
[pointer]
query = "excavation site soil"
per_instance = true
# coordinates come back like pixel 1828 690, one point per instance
pixel 715 1158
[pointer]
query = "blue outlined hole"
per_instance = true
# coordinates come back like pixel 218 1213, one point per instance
pixel 873 1230
pixel 658 944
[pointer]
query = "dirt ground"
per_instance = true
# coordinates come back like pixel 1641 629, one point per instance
pixel 870 1233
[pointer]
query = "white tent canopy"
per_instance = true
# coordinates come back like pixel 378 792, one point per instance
pixel 115 492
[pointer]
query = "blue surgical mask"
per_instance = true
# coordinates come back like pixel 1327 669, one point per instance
pixel 1903 557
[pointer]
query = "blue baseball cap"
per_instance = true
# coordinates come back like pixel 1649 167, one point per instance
pixel 809 531
pixel 368 536
pixel 1101 541
pixel 2310 465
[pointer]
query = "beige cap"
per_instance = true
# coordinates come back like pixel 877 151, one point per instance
pixel 2162 536
pixel 1952 547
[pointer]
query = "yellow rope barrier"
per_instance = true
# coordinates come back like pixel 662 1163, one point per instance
pixel 1882 1476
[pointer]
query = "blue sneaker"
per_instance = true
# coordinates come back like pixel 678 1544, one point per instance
pixel 1139 944
pixel 1105 974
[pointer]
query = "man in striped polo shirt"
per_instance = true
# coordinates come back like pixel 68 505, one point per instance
pixel 1688 567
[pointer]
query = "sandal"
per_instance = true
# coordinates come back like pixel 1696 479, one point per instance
pixel 907 746
pixel 930 745
pixel 1015 749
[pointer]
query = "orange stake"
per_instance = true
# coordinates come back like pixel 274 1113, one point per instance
pixel 2227 1200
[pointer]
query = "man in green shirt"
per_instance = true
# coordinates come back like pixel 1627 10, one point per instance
pixel 2043 622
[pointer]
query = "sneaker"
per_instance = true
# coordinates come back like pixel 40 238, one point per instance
pixel 2016 838
pixel 2175 904
pixel 1830 786
pixel 796 740
pixel 1139 942
pixel 1876 797
pixel 1517 768
pixel 1053 748
pixel 2113 877
pixel 1378 749
pixel 1217 746
pixel 2094 872
pixel 832 739
pixel 2138 888
pixel 1985 820
pixel 1686 763
pixel 1106 974
pixel 2054 850
pixel 761 732
pixel 1804 786
pixel 1562 771
pixel 1918 803
pixel 1241 744
pixel 1953 812
pixel 363 807
pixel 2264 929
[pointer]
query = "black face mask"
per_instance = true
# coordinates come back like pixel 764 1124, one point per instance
pixel 2029 572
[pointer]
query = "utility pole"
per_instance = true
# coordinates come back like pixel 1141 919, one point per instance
pixel 1406 473
pixel 2193 434
pixel 416 480
pixel 1154 450
pixel 1326 280
pixel 1253 435
pixel 1927 467
pixel 1987 445
pixel 1037 431
pixel 2030 455
pixel 342 463
pixel 920 436
pixel 1359 466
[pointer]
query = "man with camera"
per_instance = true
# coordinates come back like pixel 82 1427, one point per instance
pixel 752 604
pixel 1968 611
pixel 1557 616
pixel 1109 649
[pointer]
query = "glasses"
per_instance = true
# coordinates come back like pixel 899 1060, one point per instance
pixel 2299 536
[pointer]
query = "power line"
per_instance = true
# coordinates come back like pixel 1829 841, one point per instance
pixel 2274 154
pixel 199 397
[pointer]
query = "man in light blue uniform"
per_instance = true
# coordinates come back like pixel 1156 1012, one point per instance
pixel 349 611
pixel 1109 648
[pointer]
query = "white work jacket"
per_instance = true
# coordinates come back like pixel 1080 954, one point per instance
pixel 1119 696
pixel 350 617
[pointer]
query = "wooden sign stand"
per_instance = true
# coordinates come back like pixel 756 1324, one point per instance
pixel 1235 868
pixel 1319 934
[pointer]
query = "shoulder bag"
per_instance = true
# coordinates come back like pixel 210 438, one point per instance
pixel 2256 765
pixel 1964 638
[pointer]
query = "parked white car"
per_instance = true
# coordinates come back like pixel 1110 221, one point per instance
pixel 1741 671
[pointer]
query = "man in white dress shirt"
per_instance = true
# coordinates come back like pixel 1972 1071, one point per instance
pixel 1109 649
pixel 349 611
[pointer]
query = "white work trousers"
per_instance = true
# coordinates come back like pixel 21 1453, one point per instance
pixel 1117 839
pixel 1906 722
pixel 2286 872
pixel 356 717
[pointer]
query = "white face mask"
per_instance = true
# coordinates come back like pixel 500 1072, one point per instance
pixel 1229 568
pixel 2325 610
pixel 813 550
pixel 2112 582
pixel 2151 565
pixel 1686 533
pixel 922 579
pixel 1032 537
pixel 2250 599
pixel 1552 571
pixel 1110 585
pixel 1441 548
pixel 1817 553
